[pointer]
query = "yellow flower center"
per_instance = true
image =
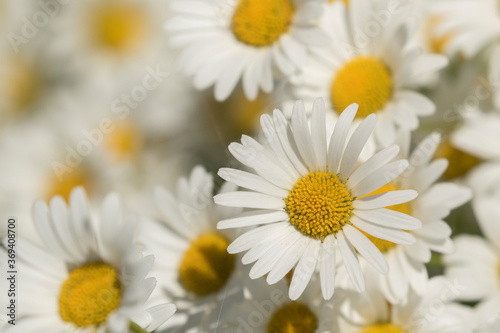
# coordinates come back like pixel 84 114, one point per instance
pixel 64 186
pixel 364 80
pixel 206 266
pixel 120 26
pixel 124 141
pixel 460 163
pixel 345 1
pixel 319 204
pixel 261 23
pixel 437 44
pixel 22 85
pixel 405 208
pixel 383 328
pixel 293 318
pixel 89 294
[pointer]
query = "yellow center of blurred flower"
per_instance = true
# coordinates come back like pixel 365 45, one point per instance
pixel 22 85
pixel 89 294
pixel 383 328
pixel 206 266
pixel 364 80
pixel 345 1
pixel 319 204
pixel 437 43
pixel 293 318
pixel 460 163
pixel 124 141
pixel 120 26
pixel 405 208
pixel 261 23
pixel 64 186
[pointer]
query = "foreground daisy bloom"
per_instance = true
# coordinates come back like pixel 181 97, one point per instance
pixel 431 312
pixel 379 73
pixel 305 195
pixel 223 42
pixel 433 204
pixel 192 265
pixel 85 278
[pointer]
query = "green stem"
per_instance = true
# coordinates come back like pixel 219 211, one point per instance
pixel 136 328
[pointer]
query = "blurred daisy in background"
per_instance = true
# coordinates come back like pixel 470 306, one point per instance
pixel 428 313
pixel 378 70
pixel 249 41
pixel 434 202
pixel 268 309
pixel 193 268
pixel 84 277
pixel 305 199
pixel 472 27
pixel 475 262
pixel 108 41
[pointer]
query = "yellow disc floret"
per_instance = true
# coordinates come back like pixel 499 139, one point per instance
pixel 364 80
pixel 293 318
pixel 319 204
pixel 405 208
pixel 460 162
pixel 261 23
pixel 383 328
pixel 119 26
pixel 64 184
pixel 89 294
pixel 124 141
pixel 206 266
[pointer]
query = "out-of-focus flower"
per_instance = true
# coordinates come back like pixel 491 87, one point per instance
pixel 224 42
pixel 108 42
pixel 84 277
pixel 475 262
pixel 378 70
pixel 268 309
pixel 307 192
pixel 428 313
pixel 433 204
pixel 193 266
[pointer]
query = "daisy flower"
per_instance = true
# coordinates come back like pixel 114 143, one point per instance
pixel 433 204
pixel 379 71
pixel 224 42
pixel 479 135
pixel 429 313
pixel 109 41
pixel 305 199
pixel 475 262
pixel 470 27
pixel 84 278
pixel 268 309
pixel 193 267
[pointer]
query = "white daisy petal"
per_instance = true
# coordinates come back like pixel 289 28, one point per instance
pixel 251 181
pixel 379 178
pixel 249 200
pixel 288 260
pixel 355 145
pixel 373 163
pixel 389 234
pixel 384 199
pixel 389 218
pixel 366 248
pixel 253 218
pixel 304 270
pixel 351 262
pixel 339 137
pixel 327 267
